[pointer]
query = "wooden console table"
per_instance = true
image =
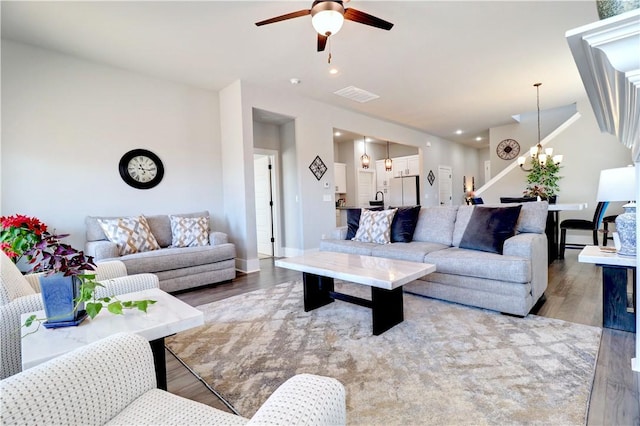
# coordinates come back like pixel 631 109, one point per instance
pixel 617 312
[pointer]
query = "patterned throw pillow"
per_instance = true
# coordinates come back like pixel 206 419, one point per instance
pixel 375 227
pixel 131 234
pixel 189 231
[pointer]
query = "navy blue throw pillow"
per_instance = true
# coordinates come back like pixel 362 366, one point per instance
pixel 404 224
pixel 490 227
pixel 353 222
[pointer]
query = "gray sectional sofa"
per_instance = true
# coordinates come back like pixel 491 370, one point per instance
pixel 177 268
pixel 511 282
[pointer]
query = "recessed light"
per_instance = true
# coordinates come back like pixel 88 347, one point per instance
pixel 294 81
pixel 337 134
pixel 478 138
pixel 459 132
pixel 333 71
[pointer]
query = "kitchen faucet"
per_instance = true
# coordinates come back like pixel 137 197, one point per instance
pixel 382 193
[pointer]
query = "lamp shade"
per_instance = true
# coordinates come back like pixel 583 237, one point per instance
pixel 617 184
pixel 327 22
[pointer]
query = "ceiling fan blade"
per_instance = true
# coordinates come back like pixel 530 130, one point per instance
pixel 284 17
pixel 322 42
pixel 364 18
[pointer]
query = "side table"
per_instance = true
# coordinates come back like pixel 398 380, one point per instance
pixel 617 312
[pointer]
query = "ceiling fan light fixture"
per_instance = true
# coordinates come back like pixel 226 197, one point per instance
pixel 327 17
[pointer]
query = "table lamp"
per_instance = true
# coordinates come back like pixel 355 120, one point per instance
pixel 620 185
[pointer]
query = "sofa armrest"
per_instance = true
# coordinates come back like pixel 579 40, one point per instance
pixel 11 347
pixel 216 238
pixel 34 280
pixel 339 233
pixel 533 247
pixel 101 249
pixel 120 365
pixel 304 399
pixel 128 284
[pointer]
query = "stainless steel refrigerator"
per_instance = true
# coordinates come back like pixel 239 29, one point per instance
pixel 404 191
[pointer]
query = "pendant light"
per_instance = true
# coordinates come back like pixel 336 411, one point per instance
pixel 365 159
pixel 387 161
pixel 537 153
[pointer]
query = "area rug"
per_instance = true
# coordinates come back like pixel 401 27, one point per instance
pixel 445 364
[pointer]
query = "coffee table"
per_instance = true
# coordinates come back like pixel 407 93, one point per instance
pixel 385 277
pixel 169 315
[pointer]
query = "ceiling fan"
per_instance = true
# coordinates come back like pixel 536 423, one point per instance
pixel 327 17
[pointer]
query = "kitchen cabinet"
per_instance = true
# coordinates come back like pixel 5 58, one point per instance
pixel 340 176
pixel 382 176
pixel 406 166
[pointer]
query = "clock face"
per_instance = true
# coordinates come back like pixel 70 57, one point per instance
pixel 141 169
pixel 508 149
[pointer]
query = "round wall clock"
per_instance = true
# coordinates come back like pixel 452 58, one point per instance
pixel 508 149
pixel 141 169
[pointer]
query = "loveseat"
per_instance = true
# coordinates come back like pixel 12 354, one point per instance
pixel 205 257
pixel 112 381
pixel 510 280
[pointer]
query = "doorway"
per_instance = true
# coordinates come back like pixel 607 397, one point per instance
pixel 266 202
pixel 445 185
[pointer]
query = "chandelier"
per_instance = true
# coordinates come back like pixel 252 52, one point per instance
pixel 365 159
pixel 539 154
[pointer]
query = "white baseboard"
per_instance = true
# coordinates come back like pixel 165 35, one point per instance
pixel 247 266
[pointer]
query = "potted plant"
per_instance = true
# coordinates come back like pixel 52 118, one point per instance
pixel 542 181
pixel 68 285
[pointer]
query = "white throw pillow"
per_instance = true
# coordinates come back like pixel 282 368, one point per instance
pixel 375 226
pixel 189 231
pixel 131 234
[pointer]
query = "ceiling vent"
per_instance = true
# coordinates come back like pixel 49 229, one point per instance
pixel 355 94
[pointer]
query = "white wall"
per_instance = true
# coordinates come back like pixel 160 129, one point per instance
pixel 67 122
pixel 586 151
pixel 526 132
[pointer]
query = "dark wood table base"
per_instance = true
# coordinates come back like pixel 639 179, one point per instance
pixel 386 305
pixel 160 362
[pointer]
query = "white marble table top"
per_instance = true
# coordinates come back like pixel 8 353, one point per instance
pixel 367 270
pixel 167 316
pixel 567 207
pixel 593 254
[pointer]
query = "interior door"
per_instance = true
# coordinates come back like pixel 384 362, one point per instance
pixel 366 187
pixel 445 185
pixel 262 178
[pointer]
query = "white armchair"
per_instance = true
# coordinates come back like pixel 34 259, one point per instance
pixel 20 294
pixel 113 381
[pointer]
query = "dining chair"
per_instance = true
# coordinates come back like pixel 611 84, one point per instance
pixel 582 225
pixel 608 235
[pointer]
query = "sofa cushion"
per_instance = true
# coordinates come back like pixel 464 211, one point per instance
pixel 481 264
pixel 375 227
pixel 532 219
pixel 404 224
pixel 131 234
pixel 436 224
pixel 175 258
pixel 161 226
pixel 12 283
pixel 348 246
pixel 189 231
pixel 414 251
pixel 489 227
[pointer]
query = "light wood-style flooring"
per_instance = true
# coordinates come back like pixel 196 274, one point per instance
pixel 574 294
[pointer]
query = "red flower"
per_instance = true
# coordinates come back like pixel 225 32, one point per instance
pixel 19 233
